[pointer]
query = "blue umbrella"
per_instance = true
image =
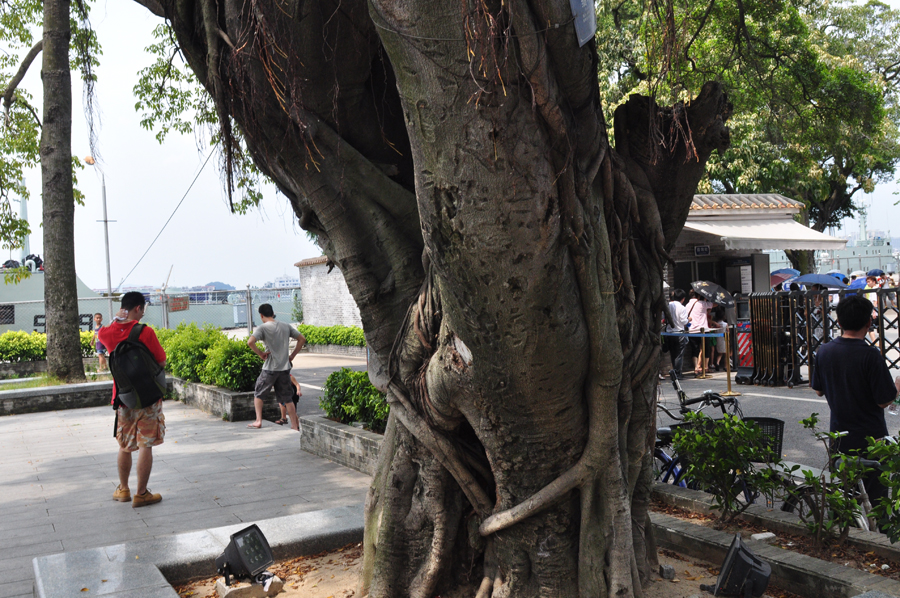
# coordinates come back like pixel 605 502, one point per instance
pixel 875 272
pixel 837 274
pixel 859 283
pixel 790 271
pixel 820 279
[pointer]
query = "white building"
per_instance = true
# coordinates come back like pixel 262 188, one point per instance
pixel 325 296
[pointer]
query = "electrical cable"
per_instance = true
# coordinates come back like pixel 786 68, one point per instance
pixel 183 197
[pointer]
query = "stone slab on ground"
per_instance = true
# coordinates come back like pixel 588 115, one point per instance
pixel 148 567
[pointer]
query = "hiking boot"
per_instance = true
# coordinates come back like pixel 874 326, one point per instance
pixel 147 498
pixel 122 495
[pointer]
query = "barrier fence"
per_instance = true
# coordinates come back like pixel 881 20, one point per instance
pixel 222 309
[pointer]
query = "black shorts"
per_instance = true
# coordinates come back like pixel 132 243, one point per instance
pixel 280 381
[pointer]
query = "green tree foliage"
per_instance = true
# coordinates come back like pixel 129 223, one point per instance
pixel 170 99
pixel 814 87
pixel 20 130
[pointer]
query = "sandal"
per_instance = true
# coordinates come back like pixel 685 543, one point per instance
pixel 281 422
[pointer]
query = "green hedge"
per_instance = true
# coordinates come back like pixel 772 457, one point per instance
pixel 186 349
pixel 87 343
pixel 16 346
pixel 231 364
pixel 209 356
pixel 348 336
pixel 350 397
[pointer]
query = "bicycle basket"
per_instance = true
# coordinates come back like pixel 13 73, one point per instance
pixel 772 430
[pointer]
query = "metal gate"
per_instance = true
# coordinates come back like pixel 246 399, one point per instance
pixel 787 328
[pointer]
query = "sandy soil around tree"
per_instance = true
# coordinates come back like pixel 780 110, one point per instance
pixel 335 575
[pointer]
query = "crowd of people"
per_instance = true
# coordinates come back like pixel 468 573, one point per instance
pixel 691 312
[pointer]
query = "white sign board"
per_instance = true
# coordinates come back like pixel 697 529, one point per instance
pixel 746 280
pixel 585 20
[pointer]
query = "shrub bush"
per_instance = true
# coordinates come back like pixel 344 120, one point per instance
pixel 186 349
pixel 231 364
pixel 348 336
pixel 16 346
pixel 725 457
pixel 350 397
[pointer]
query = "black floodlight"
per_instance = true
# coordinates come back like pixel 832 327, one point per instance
pixel 246 556
pixel 742 574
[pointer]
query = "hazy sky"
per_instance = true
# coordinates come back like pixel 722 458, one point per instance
pixel 146 180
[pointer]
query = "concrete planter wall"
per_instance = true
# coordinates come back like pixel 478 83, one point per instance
pixel 336 350
pixel 53 398
pixel 230 405
pixel 23 369
pixel 349 446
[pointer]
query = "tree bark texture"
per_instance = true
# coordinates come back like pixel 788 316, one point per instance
pixel 60 291
pixel 453 161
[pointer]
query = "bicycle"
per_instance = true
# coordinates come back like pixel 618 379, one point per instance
pixel 672 468
pixel 805 500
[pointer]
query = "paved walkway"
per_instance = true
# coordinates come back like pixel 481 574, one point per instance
pixel 58 473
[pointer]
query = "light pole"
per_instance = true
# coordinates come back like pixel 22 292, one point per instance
pixel 91 162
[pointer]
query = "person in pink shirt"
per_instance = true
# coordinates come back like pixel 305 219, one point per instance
pixel 698 315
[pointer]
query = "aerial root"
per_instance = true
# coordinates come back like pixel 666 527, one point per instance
pixel 486 588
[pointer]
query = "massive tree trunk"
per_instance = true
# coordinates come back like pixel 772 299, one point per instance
pixel 453 160
pixel 60 291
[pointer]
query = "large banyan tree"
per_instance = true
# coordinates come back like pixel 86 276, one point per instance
pixel 453 161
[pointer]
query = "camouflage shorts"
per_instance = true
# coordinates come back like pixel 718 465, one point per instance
pixel 141 428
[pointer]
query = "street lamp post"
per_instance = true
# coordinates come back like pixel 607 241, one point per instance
pixel 90 160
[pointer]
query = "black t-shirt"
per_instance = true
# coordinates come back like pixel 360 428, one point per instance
pixel 855 381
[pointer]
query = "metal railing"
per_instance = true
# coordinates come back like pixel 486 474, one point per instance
pixel 221 309
pixel 787 328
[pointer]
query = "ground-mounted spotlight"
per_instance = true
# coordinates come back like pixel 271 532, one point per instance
pixel 247 556
pixel 742 574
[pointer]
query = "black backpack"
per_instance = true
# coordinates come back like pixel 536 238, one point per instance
pixel 139 380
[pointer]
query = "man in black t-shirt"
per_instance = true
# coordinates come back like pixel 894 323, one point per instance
pixel 856 382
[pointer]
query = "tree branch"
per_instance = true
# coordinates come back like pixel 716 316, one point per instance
pixel 10 90
pixel 153 6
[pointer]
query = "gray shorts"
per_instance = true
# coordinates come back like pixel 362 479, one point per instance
pixel 280 381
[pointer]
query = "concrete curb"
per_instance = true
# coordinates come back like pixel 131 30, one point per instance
pixel 774 519
pixel 148 568
pixel 792 571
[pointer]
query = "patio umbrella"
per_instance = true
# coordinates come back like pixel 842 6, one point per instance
pixel 875 272
pixel 713 292
pixel 782 275
pixel 821 279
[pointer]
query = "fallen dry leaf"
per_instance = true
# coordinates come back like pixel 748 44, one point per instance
pixel 84 590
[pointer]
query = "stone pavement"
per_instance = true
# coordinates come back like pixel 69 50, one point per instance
pixel 58 473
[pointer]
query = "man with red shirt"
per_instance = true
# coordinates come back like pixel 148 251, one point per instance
pixel 137 429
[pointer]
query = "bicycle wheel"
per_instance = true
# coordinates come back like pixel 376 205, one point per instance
pixel 662 467
pixel 802 502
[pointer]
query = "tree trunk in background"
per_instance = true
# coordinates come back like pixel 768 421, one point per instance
pixel 60 291
pixel 453 161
